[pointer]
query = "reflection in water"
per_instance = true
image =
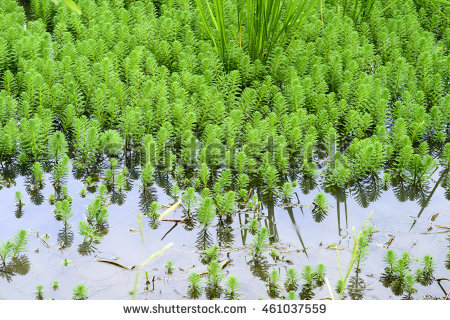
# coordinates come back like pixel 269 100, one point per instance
pixel 297 231
pixel 18 212
pixel 19 265
pixel 225 236
pixel 87 248
pixel 204 239
pixel 427 200
pixel 65 238
pixel 356 286
pixel 259 267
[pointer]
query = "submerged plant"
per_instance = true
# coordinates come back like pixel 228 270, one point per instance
pixel 55 285
pixel 80 292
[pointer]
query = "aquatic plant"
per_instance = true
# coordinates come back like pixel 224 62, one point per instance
pixel 96 211
pixel 212 253
pixel 175 191
pixel 253 225
pixel 390 258
pixel 55 285
pixel 51 198
pixel 60 170
pixel 189 199
pixel 319 274
pixel 226 203
pixel 39 293
pixel 204 174
pixel 19 197
pixel 66 262
pixel 38 175
pixel 214 279
pixel 147 175
pixel 292 295
pixel 260 242
pixel 425 275
pixel 83 193
pixel 292 279
pixel 11 248
pixel 272 282
pixel 409 283
pixel 64 212
pixel 80 292
pixel 267 24
pixel 194 288
pixel 286 191
pixel 232 287
pixel 111 142
pixel 320 207
pixel 270 178
pixel 169 267
pixel 121 182
pixel 88 231
pixel 206 211
pixel 153 210
pixel 363 247
pixel 57 145
pixel 274 253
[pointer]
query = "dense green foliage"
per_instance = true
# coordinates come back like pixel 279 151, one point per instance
pixel 235 106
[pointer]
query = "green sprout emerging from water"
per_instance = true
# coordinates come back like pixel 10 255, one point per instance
pixel 64 212
pixel 292 295
pixel 425 274
pixel 272 283
pixel 39 293
pixel 169 267
pixel 253 225
pixel 292 279
pixel 19 199
pixel 194 288
pixel 260 242
pixel 320 207
pixel 215 277
pixel 11 248
pixel 212 253
pixel 80 292
pixel 232 287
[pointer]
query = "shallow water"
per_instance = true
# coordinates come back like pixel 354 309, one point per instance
pixel 294 233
